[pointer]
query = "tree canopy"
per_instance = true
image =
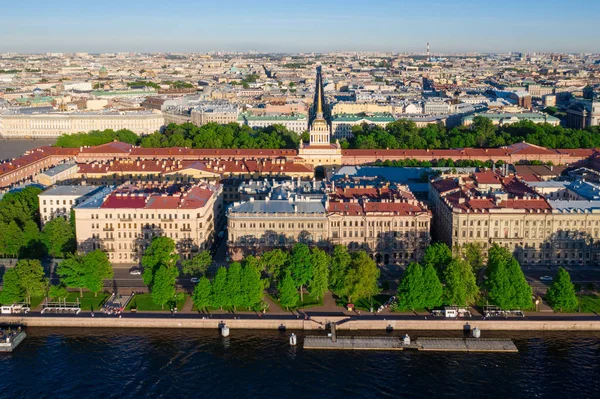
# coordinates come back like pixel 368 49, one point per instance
pixel 461 288
pixel 198 265
pixel 59 237
pixel 561 293
pixel 507 286
pixel 161 251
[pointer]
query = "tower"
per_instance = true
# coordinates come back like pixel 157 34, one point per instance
pixel 428 57
pixel 319 128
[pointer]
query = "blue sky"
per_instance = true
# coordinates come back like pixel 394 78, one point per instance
pixel 300 26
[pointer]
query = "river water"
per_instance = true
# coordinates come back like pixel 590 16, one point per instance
pixel 104 363
pixel 15 148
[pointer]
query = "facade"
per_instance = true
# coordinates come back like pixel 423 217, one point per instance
pixel 384 220
pixel 59 200
pixel 296 123
pixel 218 112
pixel 60 173
pixel 122 222
pixel 583 113
pixel 50 125
pixel 506 118
pixel 436 108
pixel 490 208
pixel 342 124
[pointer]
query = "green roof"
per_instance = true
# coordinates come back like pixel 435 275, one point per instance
pixel 531 116
pixel 375 117
pixel 124 93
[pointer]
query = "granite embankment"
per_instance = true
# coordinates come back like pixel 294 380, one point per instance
pixel 315 323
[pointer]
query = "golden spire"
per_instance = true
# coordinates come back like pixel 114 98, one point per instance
pixel 319 103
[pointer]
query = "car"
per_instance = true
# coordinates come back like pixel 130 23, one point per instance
pixel 135 272
pixel 545 278
pixel 194 280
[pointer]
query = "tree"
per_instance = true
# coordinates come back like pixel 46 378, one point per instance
pixel 561 293
pixel 439 256
pixel 340 262
pixel 233 288
pixel 300 266
pixel 218 297
pixel 202 294
pixel 198 265
pixel 507 286
pixel 58 237
pixel 31 277
pixel 12 290
pixel 361 279
pixel 472 253
pixel 14 238
pixel 58 292
pixel 72 272
pixel 252 287
pixel 96 268
pixel 161 251
pixel 273 262
pixel 411 291
pixel 433 288
pixel 163 287
pixel 317 286
pixel 288 293
pixel 461 288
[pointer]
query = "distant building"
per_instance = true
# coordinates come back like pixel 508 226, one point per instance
pixel 342 124
pixel 219 112
pixel 506 118
pixel 295 122
pixel 60 173
pixel 583 113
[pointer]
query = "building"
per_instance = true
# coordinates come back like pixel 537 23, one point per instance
pixel 59 200
pixel 122 222
pixel 507 118
pixel 295 122
pixel 436 108
pixel 217 112
pixel 342 124
pixel 583 113
pixel 49 125
pixel 491 208
pixel 57 174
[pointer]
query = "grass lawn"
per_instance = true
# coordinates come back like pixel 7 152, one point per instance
pixel 589 304
pixel 307 303
pixel 365 303
pixel 88 301
pixel 143 303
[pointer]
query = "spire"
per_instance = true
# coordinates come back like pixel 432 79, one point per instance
pixel 319 94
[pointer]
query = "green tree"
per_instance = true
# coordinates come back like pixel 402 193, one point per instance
pixel 58 292
pixel 411 291
pixel 340 261
pixel 31 277
pixel 14 238
pixel 461 288
pixel 163 287
pixel 439 256
pixel 198 265
pixel 432 287
pixel 361 278
pixel 96 269
pixel 561 293
pixel 300 266
pixel 252 287
pixel 72 272
pixel 472 253
pixel 233 288
pixel 317 286
pixel 12 290
pixel 218 297
pixel 288 293
pixel 202 294
pixel 273 262
pixel 506 283
pixel 160 252
pixel 58 237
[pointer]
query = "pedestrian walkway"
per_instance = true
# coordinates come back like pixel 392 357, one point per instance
pixel 329 306
pixel 274 307
pixel 187 306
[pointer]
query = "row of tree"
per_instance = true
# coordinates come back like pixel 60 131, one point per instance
pixel 233 287
pixel 482 133
pixel 96 137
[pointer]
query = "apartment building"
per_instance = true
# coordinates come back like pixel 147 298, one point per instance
pixel 217 112
pixel 295 122
pixel 59 200
pixel 122 222
pixel 491 208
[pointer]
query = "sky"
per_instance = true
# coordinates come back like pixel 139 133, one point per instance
pixel 40 26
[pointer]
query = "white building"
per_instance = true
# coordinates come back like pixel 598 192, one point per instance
pixel 59 200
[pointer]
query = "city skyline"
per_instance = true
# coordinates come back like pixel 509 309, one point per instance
pixel 309 26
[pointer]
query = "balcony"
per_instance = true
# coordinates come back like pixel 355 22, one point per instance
pixel 108 229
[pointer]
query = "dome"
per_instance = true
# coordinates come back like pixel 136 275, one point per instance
pixel 103 69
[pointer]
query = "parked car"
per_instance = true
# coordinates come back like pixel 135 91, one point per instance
pixel 194 280
pixel 135 272
pixel 545 278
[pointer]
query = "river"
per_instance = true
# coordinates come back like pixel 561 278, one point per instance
pixel 104 363
pixel 16 148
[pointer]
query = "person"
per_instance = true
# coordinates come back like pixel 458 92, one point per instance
pixel 92 314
